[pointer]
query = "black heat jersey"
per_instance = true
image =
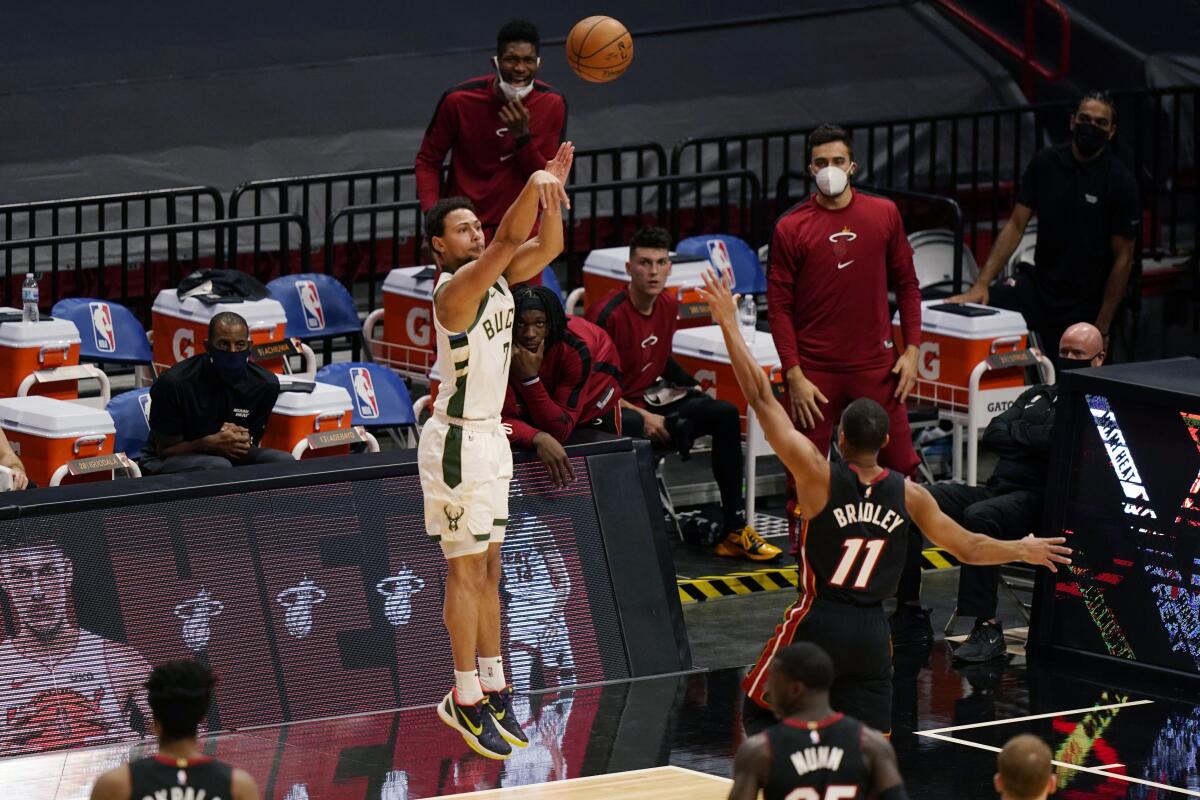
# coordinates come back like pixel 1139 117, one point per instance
pixel 163 778
pixel 855 547
pixel 826 757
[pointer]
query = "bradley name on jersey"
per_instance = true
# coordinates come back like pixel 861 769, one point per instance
pixel 813 758
pixel 866 511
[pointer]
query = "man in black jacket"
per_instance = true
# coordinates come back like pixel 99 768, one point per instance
pixel 1010 503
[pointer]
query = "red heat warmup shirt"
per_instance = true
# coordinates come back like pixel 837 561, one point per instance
pixel 487 165
pixel 580 382
pixel 827 289
pixel 643 342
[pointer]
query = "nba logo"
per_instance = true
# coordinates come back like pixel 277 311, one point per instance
pixel 102 327
pixel 364 393
pixel 718 256
pixel 310 303
pixel 144 402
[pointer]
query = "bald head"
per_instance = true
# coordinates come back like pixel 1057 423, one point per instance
pixel 1082 342
pixel 1023 769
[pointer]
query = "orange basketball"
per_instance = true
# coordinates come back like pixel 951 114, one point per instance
pixel 599 49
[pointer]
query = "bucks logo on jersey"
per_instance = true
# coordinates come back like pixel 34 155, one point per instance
pixel 500 322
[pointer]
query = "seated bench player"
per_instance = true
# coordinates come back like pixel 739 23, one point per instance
pixel 660 400
pixel 565 374
pixel 210 411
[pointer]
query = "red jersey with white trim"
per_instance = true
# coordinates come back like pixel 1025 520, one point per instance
pixel 579 381
pixel 643 341
pixel 823 756
pixel 487 164
pixel 827 288
pixel 855 548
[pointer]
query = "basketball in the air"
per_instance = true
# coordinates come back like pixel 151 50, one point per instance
pixel 599 49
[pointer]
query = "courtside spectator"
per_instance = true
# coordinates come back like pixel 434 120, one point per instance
pixel 9 459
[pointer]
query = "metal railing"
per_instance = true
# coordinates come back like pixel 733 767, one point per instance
pixel 49 218
pixel 133 262
pixel 403 244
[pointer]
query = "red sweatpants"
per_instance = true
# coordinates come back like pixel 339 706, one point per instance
pixel 840 389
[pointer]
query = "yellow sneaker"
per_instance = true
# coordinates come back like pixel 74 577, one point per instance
pixel 746 543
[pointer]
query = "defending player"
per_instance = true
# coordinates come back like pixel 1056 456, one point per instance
pixel 464 456
pixel 179 694
pixel 813 752
pixel 60 686
pixel 853 540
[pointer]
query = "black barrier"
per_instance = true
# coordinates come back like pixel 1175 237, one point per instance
pixel 783 201
pixel 216 245
pixel 402 242
pixel 313 591
pixel 1125 462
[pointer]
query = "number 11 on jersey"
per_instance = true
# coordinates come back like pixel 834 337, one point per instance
pixel 853 547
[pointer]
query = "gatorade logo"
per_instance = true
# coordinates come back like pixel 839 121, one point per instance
pixel 417 325
pixel 929 361
pixel 182 345
pixel 999 406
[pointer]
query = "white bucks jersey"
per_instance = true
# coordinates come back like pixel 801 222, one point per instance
pixel 474 364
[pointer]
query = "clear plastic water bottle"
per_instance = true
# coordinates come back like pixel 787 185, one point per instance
pixel 748 316
pixel 29 298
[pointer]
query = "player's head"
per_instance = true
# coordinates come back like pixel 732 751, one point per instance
pixel 649 263
pixel 455 234
pixel 831 146
pixel 517 59
pixel 36 575
pixel 863 428
pixel 540 317
pixel 799 673
pixel 228 331
pixel 179 693
pixel 1081 346
pixel 1093 123
pixel 1023 769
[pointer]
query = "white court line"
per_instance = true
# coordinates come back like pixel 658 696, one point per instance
pixel 1087 710
pixel 1092 770
pixel 1111 766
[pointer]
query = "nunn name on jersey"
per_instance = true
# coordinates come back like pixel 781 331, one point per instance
pixel 814 758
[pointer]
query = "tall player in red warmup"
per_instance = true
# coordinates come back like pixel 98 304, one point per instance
pixel 853 542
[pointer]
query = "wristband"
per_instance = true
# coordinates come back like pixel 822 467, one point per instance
pixel 531 381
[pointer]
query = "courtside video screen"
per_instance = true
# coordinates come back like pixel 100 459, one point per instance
pixel 1133 518
pixel 308 602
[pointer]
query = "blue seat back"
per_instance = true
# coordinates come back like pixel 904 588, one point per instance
pixel 316 306
pixel 550 281
pixel 108 331
pixel 379 395
pixel 130 412
pixel 748 274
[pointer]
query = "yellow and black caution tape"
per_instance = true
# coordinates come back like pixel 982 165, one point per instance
pixel 706 587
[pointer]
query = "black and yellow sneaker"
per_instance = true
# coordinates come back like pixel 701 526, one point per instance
pixel 500 704
pixel 475 723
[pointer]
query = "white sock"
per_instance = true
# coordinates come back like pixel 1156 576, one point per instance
pixel 491 674
pixel 467 691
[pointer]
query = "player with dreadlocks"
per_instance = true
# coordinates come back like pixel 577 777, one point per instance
pixel 565 373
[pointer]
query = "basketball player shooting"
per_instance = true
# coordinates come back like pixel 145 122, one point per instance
pixel 855 517
pixel 464 457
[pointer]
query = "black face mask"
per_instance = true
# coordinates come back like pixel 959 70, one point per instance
pixel 232 366
pixel 1065 363
pixel 1089 140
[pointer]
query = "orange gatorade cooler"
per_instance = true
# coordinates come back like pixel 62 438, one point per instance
pixel 408 344
pixel 701 351
pixel 47 434
pixel 954 339
pixel 604 270
pixel 298 414
pixel 181 326
pixel 26 347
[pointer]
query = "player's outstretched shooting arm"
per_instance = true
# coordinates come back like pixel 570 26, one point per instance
pixel 457 302
pixel 798 454
pixel 976 548
pixel 533 256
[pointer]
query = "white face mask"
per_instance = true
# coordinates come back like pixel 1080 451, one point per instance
pixel 509 91
pixel 832 181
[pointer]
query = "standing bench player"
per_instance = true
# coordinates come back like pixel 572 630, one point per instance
pixel 852 542
pixel 464 456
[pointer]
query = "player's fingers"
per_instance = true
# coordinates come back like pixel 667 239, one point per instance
pixel 816 410
pixel 817 394
pixel 567 471
pixel 563 197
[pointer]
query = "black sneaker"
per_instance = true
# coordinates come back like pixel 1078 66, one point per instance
pixel 985 642
pixel 911 625
pixel 476 725
pixel 500 705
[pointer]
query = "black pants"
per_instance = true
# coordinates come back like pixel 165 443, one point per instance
pixel 858 642
pixel 709 417
pixel 999 513
pixel 200 462
pixel 1048 323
